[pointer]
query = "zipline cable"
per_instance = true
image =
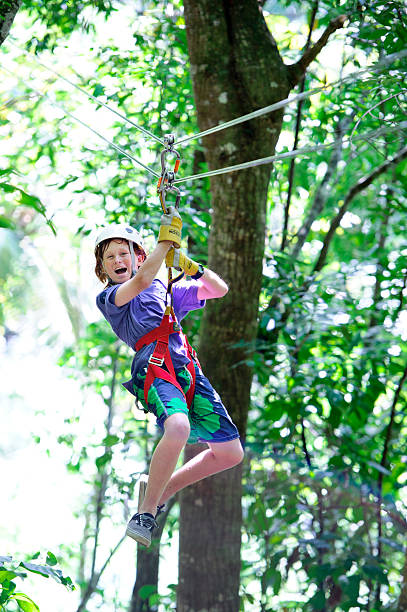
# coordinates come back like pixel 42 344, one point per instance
pixel 89 95
pixel 242 166
pixel 66 112
pixel 291 99
pixel 391 58
pixel 253 115
pixel 290 154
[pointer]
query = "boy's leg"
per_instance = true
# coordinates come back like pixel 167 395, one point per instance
pixel 218 457
pixel 211 422
pixel 164 459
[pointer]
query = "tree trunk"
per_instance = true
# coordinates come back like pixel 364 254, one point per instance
pixel 8 11
pixel 209 558
pixel 236 68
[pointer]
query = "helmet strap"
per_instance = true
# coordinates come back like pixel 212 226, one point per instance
pixel 133 258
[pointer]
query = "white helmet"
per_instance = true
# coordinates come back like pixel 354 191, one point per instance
pixel 122 230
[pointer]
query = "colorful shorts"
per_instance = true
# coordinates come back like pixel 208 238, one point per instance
pixel 208 418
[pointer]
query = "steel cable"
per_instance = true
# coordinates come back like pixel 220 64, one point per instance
pixel 290 154
pixel 255 114
pixel 291 99
pixel 66 112
pixel 92 97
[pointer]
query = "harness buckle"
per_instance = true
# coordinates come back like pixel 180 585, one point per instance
pixel 156 360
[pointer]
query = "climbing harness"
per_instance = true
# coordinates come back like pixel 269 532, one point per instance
pixel 160 364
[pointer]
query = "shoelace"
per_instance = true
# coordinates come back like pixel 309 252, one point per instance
pixel 145 521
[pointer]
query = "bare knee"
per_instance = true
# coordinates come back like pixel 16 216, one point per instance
pixel 177 428
pixel 236 454
pixel 230 453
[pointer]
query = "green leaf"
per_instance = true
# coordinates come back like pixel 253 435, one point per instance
pixel 10 574
pixel 99 90
pixel 111 440
pixel 36 569
pixel 51 559
pixel 318 601
pixel 146 590
pixel 7 223
pixel 103 459
pixel 25 603
pixel 7 188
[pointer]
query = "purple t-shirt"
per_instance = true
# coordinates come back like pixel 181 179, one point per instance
pixel 144 312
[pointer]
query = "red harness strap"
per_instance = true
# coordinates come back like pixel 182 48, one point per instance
pixel 161 356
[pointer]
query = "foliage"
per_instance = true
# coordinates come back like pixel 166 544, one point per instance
pixel 324 486
pixel 19 197
pixel 11 569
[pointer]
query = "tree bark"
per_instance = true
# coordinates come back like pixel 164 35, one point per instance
pixel 236 68
pixel 8 11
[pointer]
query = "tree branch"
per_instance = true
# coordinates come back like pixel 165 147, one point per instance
pixel 101 498
pixel 383 463
pixel 324 188
pixel 296 71
pixel 296 137
pixel 96 577
pixel 354 191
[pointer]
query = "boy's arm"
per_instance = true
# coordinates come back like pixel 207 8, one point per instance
pixel 144 276
pixel 212 286
pixel 169 236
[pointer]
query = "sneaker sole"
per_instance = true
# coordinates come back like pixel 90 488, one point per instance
pixel 135 535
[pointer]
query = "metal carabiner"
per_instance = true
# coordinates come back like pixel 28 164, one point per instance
pixel 166 180
pixel 169 140
pixel 162 192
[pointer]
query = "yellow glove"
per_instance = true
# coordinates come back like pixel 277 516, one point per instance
pixel 180 261
pixel 171 226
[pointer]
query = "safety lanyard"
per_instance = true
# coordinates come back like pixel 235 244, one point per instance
pixel 166 184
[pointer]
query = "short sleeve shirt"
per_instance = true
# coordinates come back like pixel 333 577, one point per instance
pixel 144 313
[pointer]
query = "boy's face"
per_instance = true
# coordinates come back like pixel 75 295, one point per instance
pixel 117 260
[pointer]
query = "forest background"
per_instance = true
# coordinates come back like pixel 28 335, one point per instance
pixel 323 492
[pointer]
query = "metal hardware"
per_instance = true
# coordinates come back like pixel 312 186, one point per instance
pixel 156 360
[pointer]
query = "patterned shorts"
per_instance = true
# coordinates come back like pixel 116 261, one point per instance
pixel 208 418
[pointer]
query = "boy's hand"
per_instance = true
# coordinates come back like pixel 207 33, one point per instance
pixel 180 261
pixel 171 226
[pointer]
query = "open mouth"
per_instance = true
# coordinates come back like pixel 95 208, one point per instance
pixel 121 270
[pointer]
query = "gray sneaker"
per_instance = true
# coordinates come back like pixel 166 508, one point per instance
pixel 140 528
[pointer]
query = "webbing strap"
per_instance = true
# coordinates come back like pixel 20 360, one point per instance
pixel 165 328
pixel 161 357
